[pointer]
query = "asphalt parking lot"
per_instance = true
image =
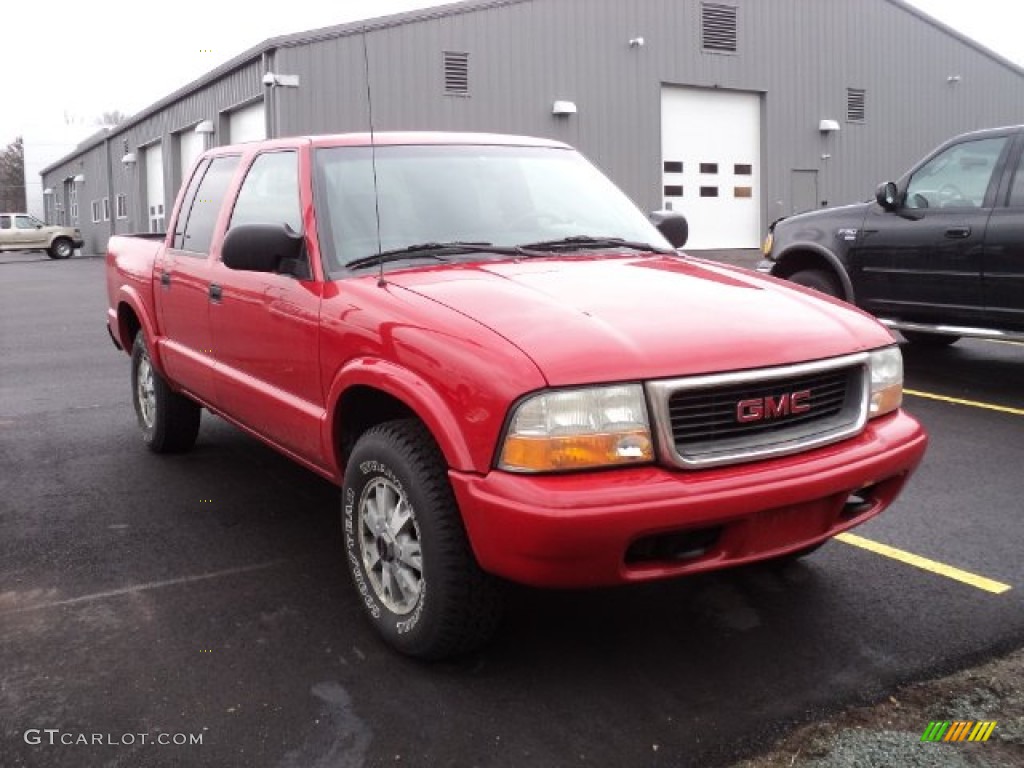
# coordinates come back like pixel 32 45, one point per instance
pixel 204 595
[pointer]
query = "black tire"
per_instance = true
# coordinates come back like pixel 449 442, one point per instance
pixel 169 422
pixel 818 279
pixel 61 248
pixel 445 607
pixel 929 340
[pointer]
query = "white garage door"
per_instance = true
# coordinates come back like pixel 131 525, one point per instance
pixel 711 150
pixel 190 146
pixel 154 164
pixel 247 124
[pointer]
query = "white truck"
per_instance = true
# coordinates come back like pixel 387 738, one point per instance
pixel 23 232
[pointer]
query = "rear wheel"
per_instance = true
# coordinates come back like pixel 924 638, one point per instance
pixel 406 547
pixel 169 421
pixel 818 279
pixel 930 340
pixel 61 248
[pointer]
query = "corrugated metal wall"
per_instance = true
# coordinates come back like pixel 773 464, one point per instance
pixel 235 89
pixel 801 55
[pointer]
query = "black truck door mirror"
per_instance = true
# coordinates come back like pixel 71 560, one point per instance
pixel 888 195
pixel 672 225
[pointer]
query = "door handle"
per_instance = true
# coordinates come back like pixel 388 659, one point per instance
pixel 215 292
pixel 165 278
pixel 958 233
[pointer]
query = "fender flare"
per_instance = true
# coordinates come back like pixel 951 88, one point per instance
pixel 127 294
pixel 833 261
pixel 408 388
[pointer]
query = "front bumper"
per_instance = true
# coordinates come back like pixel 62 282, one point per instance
pixel 614 527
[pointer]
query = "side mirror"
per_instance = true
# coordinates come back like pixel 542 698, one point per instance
pixel 39 226
pixel 262 248
pixel 887 195
pixel 672 225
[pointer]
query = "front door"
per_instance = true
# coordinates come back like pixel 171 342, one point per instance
pixel 1003 273
pixel 28 232
pixel 923 261
pixel 266 326
pixel 182 280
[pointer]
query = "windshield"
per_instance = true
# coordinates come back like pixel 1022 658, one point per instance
pixel 505 196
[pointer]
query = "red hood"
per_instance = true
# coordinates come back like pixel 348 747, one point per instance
pixel 608 318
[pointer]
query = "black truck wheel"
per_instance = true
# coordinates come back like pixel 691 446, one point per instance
pixel 407 550
pixel 818 279
pixel 169 421
pixel 61 248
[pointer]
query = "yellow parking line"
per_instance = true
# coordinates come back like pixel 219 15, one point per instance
pixel 995 587
pixel 960 401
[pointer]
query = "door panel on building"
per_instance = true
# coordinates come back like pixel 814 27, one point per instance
pixel 803 191
pixel 247 123
pixel 153 163
pixel 266 326
pixel 711 164
pixel 1003 272
pixel 190 147
pixel 183 280
pixel 924 260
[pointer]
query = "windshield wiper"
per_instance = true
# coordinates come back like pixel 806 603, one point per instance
pixel 577 242
pixel 432 251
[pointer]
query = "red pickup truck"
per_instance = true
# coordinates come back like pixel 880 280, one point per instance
pixel 509 369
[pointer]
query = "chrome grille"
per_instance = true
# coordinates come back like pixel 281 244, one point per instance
pixel 699 418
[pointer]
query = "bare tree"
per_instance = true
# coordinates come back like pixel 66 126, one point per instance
pixel 111 118
pixel 12 177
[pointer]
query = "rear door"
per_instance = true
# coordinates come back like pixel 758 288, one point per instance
pixel 183 278
pixel 1003 279
pixel 923 261
pixel 266 326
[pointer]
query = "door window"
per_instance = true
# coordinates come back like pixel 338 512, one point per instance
pixel 209 198
pixel 270 192
pixel 1017 188
pixel 24 222
pixel 5 222
pixel 956 178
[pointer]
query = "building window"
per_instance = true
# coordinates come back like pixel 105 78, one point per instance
pixel 855 105
pixel 709 167
pixel 106 209
pixel 122 207
pixel 95 211
pixel 456 73
pixel 709 191
pixel 673 191
pixel 718 26
pixel 73 204
pixel 673 166
pixel 741 169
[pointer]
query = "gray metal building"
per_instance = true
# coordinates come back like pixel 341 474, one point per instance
pixel 734 112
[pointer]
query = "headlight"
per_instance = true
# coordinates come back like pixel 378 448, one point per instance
pixel 578 429
pixel 766 246
pixel 886 381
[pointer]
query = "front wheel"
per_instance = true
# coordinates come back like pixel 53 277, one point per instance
pixel 930 340
pixel 169 421
pixel 407 550
pixel 818 279
pixel 61 248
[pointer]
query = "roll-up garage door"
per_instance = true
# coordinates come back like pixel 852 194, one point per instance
pixel 247 124
pixel 711 153
pixel 154 164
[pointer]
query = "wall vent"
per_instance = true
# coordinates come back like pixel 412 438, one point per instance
pixel 718 27
pixel 456 73
pixel 855 109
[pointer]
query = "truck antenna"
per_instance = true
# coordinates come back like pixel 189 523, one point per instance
pixel 373 159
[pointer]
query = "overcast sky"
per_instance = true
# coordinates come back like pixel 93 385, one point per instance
pixel 77 59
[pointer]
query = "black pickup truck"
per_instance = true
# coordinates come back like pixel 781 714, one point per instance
pixel 938 255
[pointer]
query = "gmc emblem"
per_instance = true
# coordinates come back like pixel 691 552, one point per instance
pixel 765 408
